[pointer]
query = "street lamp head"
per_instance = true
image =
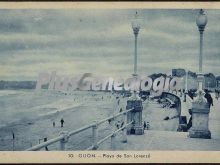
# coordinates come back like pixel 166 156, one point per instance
pixel 201 20
pixel 136 23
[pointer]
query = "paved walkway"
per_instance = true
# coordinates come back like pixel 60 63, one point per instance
pixel 172 140
pixel 155 114
pixel 214 116
pixel 214 119
pixel 169 140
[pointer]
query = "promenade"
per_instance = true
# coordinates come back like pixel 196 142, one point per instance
pixel 171 140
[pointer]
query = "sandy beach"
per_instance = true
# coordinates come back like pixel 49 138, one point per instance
pixel 32 121
pixel 82 111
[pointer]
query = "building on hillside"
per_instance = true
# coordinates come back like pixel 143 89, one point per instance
pixel 218 82
pixel 209 81
pixel 192 80
pixel 178 72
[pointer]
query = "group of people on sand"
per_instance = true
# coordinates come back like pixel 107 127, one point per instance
pixel 61 123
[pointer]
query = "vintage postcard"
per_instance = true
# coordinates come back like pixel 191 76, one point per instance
pixel 106 82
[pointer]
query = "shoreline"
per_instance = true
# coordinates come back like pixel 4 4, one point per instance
pixel 28 132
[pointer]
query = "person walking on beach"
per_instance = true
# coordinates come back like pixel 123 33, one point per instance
pixel 13 141
pixel 45 139
pixel 62 121
pixel 13 135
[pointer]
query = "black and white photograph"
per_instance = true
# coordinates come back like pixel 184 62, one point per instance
pixel 110 79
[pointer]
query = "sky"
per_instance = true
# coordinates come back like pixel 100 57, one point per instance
pixel 77 41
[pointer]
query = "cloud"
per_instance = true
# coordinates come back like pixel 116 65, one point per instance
pixel 102 42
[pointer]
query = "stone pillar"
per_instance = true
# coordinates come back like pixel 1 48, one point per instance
pixel 135 115
pixel 200 121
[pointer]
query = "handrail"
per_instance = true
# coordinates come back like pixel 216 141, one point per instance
pixel 80 129
pixel 114 116
pixel 65 135
pixel 44 144
pixel 101 141
pixel 110 135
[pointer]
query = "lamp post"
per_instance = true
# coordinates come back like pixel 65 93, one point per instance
pixel 134 102
pixel 201 22
pixel 200 107
pixel 136 26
